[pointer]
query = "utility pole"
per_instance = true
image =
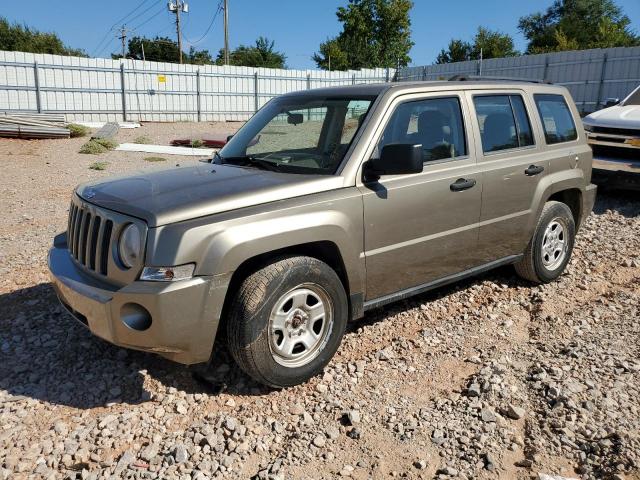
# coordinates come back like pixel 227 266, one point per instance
pixel 123 39
pixel 177 7
pixel 226 32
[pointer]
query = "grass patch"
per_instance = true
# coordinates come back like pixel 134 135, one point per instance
pixel 155 159
pixel 76 130
pixel 142 140
pixel 107 143
pixel 197 143
pixel 98 145
pixel 98 166
pixel 92 148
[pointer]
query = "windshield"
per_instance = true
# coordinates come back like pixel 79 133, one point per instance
pixel 298 134
pixel 633 98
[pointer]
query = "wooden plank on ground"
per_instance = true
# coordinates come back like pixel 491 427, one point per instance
pixel 108 131
pixel 135 147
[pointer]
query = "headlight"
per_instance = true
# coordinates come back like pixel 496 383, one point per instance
pixel 130 245
pixel 168 274
pixel 587 127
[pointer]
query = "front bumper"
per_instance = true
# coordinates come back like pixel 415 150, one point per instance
pixel 184 315
pixel 617 168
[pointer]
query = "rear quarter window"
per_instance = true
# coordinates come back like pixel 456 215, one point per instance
pixel 556 117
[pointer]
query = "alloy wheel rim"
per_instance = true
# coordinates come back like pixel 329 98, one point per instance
pixel 300 325
pixel 554 244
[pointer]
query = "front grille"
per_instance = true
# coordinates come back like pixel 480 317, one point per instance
pixel 631 132
pixel 89 238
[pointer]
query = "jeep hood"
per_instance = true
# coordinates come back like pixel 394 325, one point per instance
pixel 618 116
pixel 168 196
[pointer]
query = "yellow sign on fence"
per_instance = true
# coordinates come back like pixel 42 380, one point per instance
pixel 162 79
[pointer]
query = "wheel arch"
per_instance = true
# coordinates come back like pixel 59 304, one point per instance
pixel 566 186
pixel 326 251
pixel 571 197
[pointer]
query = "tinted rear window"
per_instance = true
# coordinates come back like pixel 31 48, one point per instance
pixel 557 120
pixel 503 122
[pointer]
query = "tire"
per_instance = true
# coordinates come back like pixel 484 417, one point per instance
pixel 277 331
pixel 550 248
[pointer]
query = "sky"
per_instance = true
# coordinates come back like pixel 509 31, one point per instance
pixel 297 27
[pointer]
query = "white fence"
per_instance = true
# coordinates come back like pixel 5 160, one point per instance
pixel 104 90
pixel 591 76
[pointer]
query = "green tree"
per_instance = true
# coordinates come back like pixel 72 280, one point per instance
pixel 199 57
pixel 158 49
pixel 578 24
pixel 262 54
pixel 457 51
pixel 331 56
pixel 163 49
pixel 491 43
pixel 21 38
pixel 375 33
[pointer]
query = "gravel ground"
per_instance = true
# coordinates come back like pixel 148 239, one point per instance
pixel 490 378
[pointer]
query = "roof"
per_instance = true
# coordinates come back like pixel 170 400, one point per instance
pixel 375 89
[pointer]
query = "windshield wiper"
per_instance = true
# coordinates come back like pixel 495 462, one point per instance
pixel 253 161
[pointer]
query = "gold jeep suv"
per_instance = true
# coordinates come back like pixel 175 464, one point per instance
pixel 324 205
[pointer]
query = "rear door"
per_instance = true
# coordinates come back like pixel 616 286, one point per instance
pixel 509 153
pixel 418 227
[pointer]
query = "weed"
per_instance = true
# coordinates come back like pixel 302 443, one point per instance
pixel 197 143
pixel 98 166
pixel 107 143
pixel 155 159
pixel 142 140
pixel 76 130
pixel 92 148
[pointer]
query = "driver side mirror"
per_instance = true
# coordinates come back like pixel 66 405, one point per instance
pixel 610 102
pixel 396 159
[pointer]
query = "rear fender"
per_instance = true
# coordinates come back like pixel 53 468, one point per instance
pixel 549 185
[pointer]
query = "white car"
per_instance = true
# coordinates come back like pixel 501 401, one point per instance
pixel 614 136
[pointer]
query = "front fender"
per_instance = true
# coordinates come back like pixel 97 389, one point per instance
pixel 219 244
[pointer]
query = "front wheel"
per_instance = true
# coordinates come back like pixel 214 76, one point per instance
pixel 287 321
pixel 550 248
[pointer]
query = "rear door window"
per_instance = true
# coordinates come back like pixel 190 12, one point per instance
pixel 557 120
pixel 503 121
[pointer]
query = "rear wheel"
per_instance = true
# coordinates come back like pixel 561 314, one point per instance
pixel 550 248
pixel 287 321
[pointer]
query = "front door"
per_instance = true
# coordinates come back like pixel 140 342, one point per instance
pixel 422 227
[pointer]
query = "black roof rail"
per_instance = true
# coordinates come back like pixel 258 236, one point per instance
pixel 470 78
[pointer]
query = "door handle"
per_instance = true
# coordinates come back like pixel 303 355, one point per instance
pixel 533 170
pixel 462 184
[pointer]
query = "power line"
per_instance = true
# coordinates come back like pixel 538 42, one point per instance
pixel 130 13
pixel 106 35
pixel 148 19
pixel 163 30
pixel 143 12
pixel 107 45
pixel 215 15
